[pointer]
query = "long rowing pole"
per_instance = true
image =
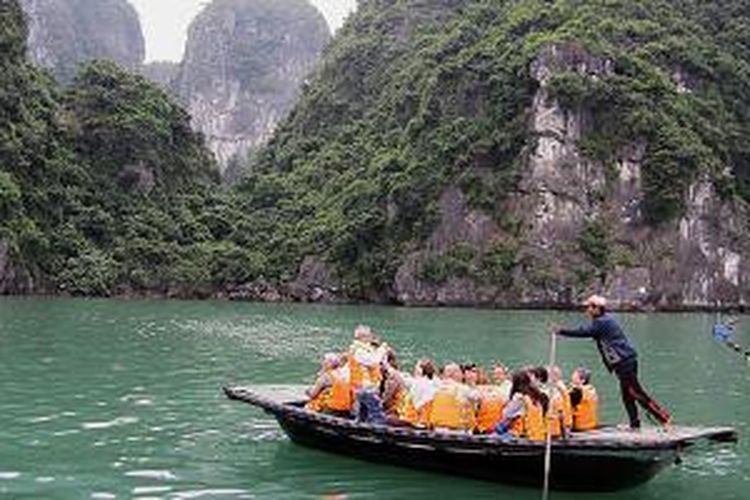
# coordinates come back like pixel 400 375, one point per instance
pixel 548 447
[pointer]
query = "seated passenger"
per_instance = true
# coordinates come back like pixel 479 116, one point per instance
pixel 561 411
pixel 524 415
pixel 408 397
pixel 470 374
pixel 584 400
pixel 331 391
pixel 492 400
pixel 454 404
pixel 422 388
pixel 396 399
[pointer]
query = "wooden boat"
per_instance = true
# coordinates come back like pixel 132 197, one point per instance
pixel 605 459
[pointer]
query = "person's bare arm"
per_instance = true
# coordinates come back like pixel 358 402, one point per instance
pixel 323 383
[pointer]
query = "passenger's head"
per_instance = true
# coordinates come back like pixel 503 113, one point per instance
pixel 390 359
pixel 424 368
pixel 595 305
pixel 470 373
pixel 540 374
pixel 363 333
pixel 499 373
pixel 521 382
pixel 581 376
pixel 555 373
pixel 452 371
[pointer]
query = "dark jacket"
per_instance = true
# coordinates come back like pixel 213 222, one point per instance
pixel 613 345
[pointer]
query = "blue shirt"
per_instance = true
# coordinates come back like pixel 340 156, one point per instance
pixel 613 345
pixel 722 332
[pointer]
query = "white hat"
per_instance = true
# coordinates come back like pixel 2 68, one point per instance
pixel 363 332
pixel 596 301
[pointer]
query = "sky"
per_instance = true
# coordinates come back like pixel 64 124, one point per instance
pixel 165 22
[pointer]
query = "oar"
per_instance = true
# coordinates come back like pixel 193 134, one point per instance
pixel 548 447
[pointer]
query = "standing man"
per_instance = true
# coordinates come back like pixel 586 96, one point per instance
pixel 620 357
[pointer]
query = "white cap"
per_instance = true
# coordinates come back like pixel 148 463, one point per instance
pixel 596 301
pixel 362 332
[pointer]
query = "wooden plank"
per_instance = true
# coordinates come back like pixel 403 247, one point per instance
pixel 603 437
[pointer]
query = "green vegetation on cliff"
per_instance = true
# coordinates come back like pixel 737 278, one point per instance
pixel 104 187
pixel 414 96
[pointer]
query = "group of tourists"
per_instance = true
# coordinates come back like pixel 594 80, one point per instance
pixel 366 383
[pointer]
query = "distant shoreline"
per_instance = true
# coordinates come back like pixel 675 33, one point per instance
pixel 521 306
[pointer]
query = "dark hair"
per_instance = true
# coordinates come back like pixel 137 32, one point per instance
pixel 468 367
pixel 521 381
pixel 428 368
pixel 541 374
pixel 522 384
pixel 390 357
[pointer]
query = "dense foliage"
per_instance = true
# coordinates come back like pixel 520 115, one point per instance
pixel 413 96
pixel 104 187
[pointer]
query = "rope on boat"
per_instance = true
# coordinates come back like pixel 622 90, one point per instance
pixel 548 444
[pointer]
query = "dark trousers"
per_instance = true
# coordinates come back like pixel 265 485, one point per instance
pixel 632 392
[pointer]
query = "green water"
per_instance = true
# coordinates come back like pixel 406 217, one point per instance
pixel 110 399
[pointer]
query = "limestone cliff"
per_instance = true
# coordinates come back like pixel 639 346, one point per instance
pixel 162 73
pixel 64 33
pixel 699 260
pixel 244 64
pixel 521 154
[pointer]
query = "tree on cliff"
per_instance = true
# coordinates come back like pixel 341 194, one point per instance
pixel 422 106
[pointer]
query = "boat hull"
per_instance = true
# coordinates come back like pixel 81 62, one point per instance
pixel 605 459
pixel 571 470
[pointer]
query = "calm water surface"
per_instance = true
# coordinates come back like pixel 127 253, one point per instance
pixel 110 399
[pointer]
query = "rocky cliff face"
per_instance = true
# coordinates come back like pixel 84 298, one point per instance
pixel 696 261
pixel 521 154
pixel 162 73
pixel 244 64
pixel 64 33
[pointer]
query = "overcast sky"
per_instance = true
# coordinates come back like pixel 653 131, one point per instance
pixel 165 22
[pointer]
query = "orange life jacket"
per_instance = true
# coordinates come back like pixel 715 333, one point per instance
pixel 319 402
pixel 341 393
pixel 451 409
pixel 336 397
pixel 531 424
pixel 363 376
pixel 533 420
pixel 584 414
pixel 490 411
pixel 401 406
pixel 560 407
pixel 424 415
